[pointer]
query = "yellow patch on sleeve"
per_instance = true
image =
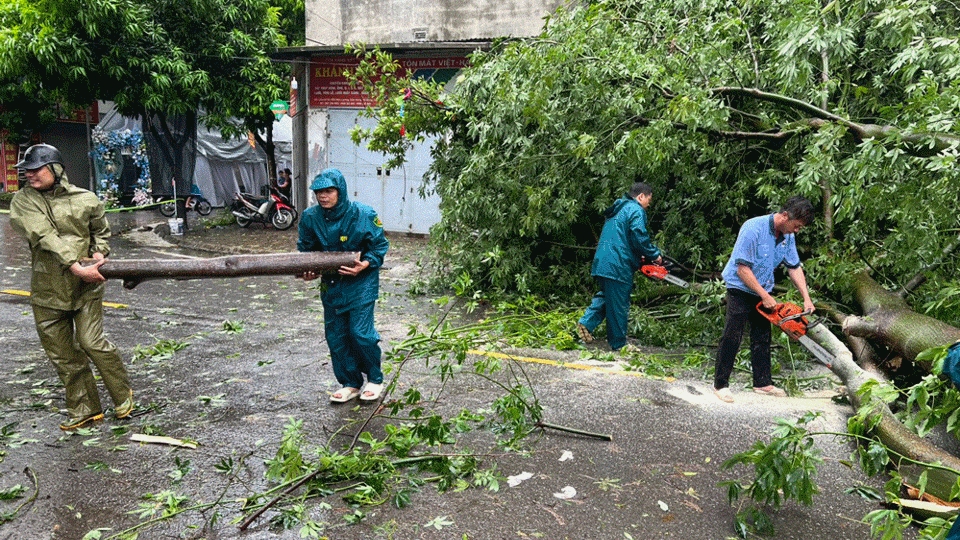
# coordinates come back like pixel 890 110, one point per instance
pixel 343 238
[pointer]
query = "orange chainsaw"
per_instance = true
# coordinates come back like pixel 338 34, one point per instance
pixel 659 272
pixel 793 321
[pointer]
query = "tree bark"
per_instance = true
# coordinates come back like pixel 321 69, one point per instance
pixel 888 320
pixel 134 271
pixel 901 442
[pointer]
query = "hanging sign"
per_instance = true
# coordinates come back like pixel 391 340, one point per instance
pixel 328 85
pixel 279 108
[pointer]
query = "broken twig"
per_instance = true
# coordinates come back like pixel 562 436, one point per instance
pixel 170 441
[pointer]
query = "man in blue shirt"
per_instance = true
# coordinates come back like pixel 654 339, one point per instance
pixel 763 244
pixel 624 240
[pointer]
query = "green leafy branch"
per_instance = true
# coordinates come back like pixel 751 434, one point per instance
pixel 15 493
pixel 786 466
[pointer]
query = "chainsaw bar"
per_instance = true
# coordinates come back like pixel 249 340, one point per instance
pixel 817 351
pixel 670 278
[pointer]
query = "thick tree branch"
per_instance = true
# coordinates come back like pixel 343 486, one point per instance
pixel 889 321
pixel 905 446
pixel 861 328
pixel 780 99
pixel 779 136
pixel 921 144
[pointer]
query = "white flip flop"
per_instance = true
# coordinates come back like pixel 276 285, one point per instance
pixel 344 394
pixel 373 389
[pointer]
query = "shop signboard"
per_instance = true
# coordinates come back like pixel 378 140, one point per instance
pixel 329 86
pixel 81 116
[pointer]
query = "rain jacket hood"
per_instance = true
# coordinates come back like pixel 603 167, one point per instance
pixel 617 205
pixel 333 178
pixel 624 241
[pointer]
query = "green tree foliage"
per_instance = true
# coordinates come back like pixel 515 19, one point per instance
pixel 155 57
pixel 725 107
pixel 293 22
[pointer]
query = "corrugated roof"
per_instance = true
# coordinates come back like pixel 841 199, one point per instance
pixel 419 47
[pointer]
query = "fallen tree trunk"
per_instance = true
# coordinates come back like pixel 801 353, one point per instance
pixel 135 271
pixel 901 442
pixel 888 320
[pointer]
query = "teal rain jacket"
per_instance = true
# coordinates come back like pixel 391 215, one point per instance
pixel 623 241
pixel 348 226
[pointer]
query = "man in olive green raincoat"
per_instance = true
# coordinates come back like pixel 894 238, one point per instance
pixel 64 224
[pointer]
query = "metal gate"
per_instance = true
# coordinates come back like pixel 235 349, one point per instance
pixel 394 194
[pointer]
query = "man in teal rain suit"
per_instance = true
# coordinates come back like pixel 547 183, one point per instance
pixel 624 241
pixel 338 224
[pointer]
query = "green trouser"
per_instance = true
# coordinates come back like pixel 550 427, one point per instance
pixel 69 339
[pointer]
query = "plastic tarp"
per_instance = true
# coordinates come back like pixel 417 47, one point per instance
pixel 224 166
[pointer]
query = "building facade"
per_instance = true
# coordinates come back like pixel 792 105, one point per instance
pixel 431 38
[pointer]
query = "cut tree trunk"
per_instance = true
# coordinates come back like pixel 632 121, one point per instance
pixel 134 271
pixel 889 321
pixel 901 442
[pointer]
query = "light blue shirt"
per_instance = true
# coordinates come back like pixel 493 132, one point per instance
pixel 757 248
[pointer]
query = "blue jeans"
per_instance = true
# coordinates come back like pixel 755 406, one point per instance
pixel 612 303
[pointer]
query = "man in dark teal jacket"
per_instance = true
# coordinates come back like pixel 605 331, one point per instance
pixel 624 242
pixel 338 224
pixel 951 368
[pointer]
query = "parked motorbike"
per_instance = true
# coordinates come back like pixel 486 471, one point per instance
pixel 198 203
pixel 274 208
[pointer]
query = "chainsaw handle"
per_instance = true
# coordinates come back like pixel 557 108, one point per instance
pixel 796 316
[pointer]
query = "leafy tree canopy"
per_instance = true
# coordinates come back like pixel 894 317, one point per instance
pixel 158 57
pixel 725 107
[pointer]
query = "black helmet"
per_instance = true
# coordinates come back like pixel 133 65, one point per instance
pixel 39 155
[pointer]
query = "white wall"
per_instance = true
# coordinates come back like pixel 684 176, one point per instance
pixel 335 22
pixel 394 194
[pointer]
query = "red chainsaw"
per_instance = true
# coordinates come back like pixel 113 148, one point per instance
pixel 793 321
pixel 659 272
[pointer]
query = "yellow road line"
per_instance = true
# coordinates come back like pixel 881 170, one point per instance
pixel 27 293
pixel 548 362
pixel 16 292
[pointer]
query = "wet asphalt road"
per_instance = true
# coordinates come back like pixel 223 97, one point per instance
pixel 233 392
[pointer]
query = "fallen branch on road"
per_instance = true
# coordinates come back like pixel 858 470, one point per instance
pixel 135 271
